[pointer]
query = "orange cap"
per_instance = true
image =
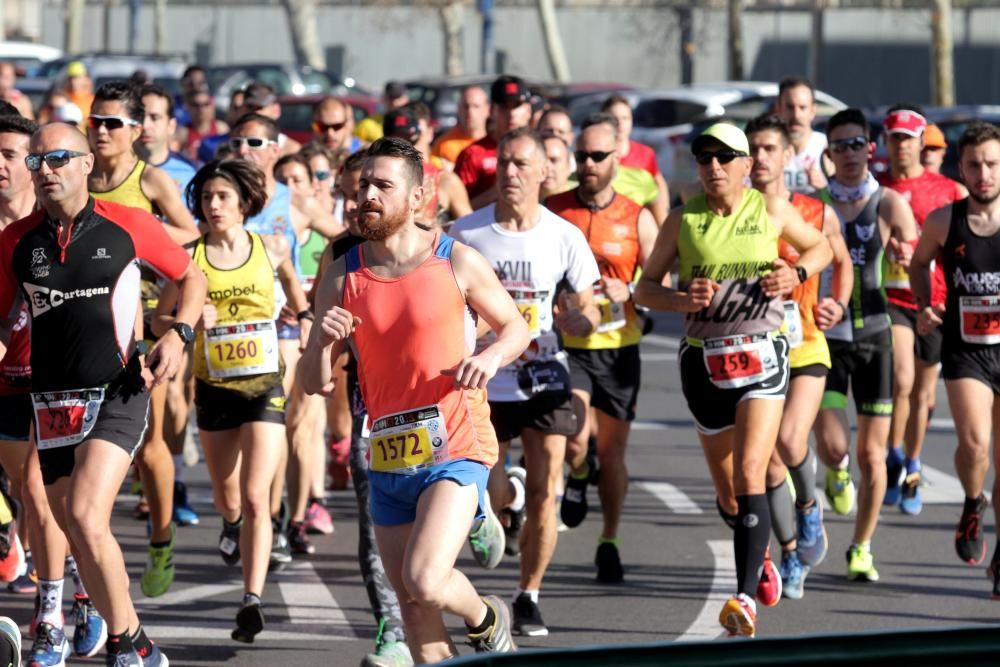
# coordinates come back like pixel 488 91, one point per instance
pixel 934 137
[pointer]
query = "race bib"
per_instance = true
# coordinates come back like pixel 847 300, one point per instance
pixel 793 323
pixel 980 319
pixel 236 350
pixel 408 441
pixel 739 361
pixel 896 276
pixel 612 314
pixel 65 418
pixel 530 304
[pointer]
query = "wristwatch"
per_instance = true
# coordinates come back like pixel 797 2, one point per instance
pixel 184 331
pixel 800 271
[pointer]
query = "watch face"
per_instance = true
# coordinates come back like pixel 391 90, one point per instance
pixel 184 331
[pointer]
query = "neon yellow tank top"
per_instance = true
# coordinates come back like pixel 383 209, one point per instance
pixel 736 251
pixel 240 352
pixel 129 192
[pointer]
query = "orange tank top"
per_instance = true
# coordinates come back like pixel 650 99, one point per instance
pixel 806 294
pixel 412 328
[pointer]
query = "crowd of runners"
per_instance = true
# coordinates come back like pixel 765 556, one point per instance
pixel 394 314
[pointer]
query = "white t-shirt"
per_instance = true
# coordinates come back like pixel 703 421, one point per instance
pixel 531 265
pixel 797 169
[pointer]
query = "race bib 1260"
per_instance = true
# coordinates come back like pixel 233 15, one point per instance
pixel 236 350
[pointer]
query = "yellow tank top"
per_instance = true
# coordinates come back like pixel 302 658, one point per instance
pixel 240 352
pixel 129 192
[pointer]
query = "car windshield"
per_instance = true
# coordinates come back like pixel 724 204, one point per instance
pixel 665 112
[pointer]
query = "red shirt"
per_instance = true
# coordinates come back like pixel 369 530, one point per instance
pixel 15 367
pixel 641 156
pixel 925 193
pixel 477 166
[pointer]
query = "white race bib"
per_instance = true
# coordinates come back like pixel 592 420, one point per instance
pixel 236 350
pixel 65 418
pixel 408 441
pixel 612 314
pixel 793 323
pixel 738 361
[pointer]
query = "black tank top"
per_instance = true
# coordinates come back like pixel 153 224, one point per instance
pixel 868 306
pixel 972 307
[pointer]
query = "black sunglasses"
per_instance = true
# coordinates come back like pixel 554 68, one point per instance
pixel 596 156
pixel 724 156
pixel 852 144
pixel 55 159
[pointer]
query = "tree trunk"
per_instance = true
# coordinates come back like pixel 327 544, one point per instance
pixel 74 26
pixel 688 45
pixel 736 40
pixel 160 26
pixel 816 45
pixel 553 41
pixel 305 39
pixel 453 25
pixel 943 83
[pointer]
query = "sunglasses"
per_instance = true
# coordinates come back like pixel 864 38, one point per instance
pixel 722 157
pixel 110 122
pixel 55 159
pixel 323 128
pixel 322 175
pixel 201 105
pixel 596 156
pixel 853 144
pixel 256 143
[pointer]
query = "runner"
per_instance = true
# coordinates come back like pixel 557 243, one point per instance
pixel 556 121
pixel 734 368
pixel 200 106
pixel 476 165
pixel 369 128
pixel 872 219
pixel 324 164
pixel 534 253
pixel 89 402
pixel 935 146
pixel 915 358
pixel 331 125
pixel 473 112
pixel 604 365
pixel 800 533
pixel 158 130
pixel 425 498
pixel 259 97
pixel 963 237
pixel 635 155
pixel 9 92
pixel 797 107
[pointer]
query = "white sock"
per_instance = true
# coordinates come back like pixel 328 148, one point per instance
pixel 532 594
pixel 50 592
pixel 178 467
pixel 517 504
pixel 844 462
pixel 73 571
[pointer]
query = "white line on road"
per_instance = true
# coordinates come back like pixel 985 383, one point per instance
pixel 675 499
pixel 706 624
pixel 220 631
pixel 662 341
pixel 658 356
pixel 309 601
pixel 192 594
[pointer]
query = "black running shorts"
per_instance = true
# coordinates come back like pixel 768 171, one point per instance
pixel 549 412
pixel 981 363
pixel 219 409
pixel 926 348
pixel 866 367
pixel 611 377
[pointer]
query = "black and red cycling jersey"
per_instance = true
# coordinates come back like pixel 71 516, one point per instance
pixel 82 298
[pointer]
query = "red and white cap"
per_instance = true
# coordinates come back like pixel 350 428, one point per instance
pixel 904 121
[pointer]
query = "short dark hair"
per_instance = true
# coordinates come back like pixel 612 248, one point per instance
pixel 161 92
pixel 601 118
pixel 401 149
pixel 848 117
pixel 768 121
pixel 612 100
pixel 355 161
pixel 523 133
pixel 124 92
pixel 295 158
pixel 790 82
pixel 192 68
pixel 555 110
pixel 17 125
pixel 419 110
pixel 245 176
pixel 978 133
pixel 270 127
pixel 905 106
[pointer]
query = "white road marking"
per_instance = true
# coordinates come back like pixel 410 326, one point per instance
pixel 668 342
pixel 658 356
pixel 192 594
pixel 220 631
pixel 706 624
pixel 309 601
pixel 650 425
pixel 671 496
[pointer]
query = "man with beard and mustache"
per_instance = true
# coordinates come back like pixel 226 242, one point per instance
pixel 604 365
pixel 964 237
pixel 797 107
pixel 405 298
pixel 533 253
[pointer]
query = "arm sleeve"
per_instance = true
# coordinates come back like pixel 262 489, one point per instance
pixel 154 246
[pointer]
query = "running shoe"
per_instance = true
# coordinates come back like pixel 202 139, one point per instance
pixel 10 642
pixel 281 552
pixel 793 576
pixel 318 520
pixel 50 648
pixel 339 466
pixel 739 616
pixel 528 618
pixel 389 654
pixel 993 574
pixel 12 558
pixel 154 658
pixel 486 539
pixel 130 659
pixel 159 572
pixel 861 564
pixel 184 514
pixel 609 564
pixel 969 541
pixel 27 578
pixel 769 584
pixel 497 638
pixel 910 502
pixel 229 542
pixel 249 620
pixel 840 490
pixel 894 469
pixel 810 535
pixel 298 541
pixel 573 509
pixel 513 521
pixel 141 510
pixel 91 631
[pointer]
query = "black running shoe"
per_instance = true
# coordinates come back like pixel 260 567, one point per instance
pixel 298 541
pixel 993 573
pixel 609 564
pixel 510 520
pixel 969 542
pixel 229 542
pixel 281 554
pixel 573 509
pixel 527 618
pixel 249 620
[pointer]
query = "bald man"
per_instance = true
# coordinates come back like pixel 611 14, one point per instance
pixel 332 125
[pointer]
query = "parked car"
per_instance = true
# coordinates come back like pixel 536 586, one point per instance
pixel 103 67
pixel 441 95
pixel 28 56
pixel 296 112
pixel 286 79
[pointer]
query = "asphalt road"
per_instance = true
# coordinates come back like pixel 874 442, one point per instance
pixel 677 553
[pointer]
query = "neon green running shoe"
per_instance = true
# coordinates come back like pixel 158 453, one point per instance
pixel 159 572
pixel 840 490
pixel 861 564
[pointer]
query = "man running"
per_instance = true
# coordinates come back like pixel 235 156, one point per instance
pixel 331 125
pixel 915 358
pixel 158 130
pixel 560 176
pixel 403 297
pixel 473 112
pixel 797 107
pixel 533 253
pixel 873 219
pixel 635 155
pixel 964 238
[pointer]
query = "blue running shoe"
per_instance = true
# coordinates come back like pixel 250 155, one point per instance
pixel 184 514
pixel 810 534
pixel 10 642
pixel 154 658
pixel 894 470
pixel 91 630
pixel 793 576
pixel 910 502
pixel 130 659
pixel 50 648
